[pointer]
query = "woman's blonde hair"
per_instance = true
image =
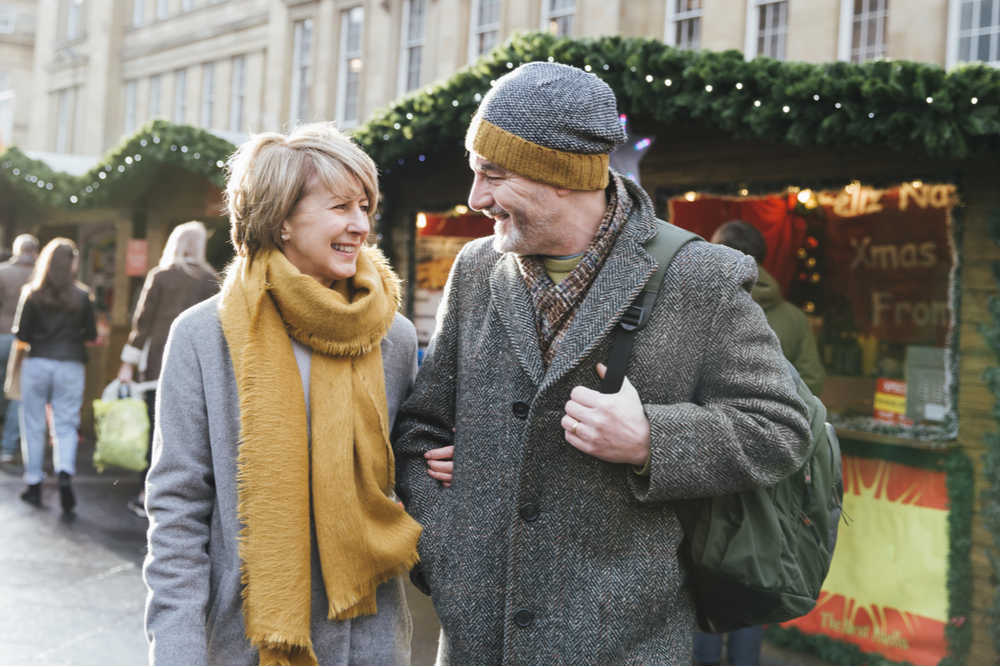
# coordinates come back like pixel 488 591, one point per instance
pixel 185 249
pixel 269 172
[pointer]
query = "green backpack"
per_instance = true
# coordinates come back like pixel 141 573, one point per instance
pixel 757 556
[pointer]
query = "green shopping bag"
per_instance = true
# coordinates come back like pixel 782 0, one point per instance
pixel 122 426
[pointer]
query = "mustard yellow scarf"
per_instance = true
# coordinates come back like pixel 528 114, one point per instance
pixel 364 538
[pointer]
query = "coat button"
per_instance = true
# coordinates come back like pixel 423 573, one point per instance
pixel 521 409
pixel 529 511
pixel 523 618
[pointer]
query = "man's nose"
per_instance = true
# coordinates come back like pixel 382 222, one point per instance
pixel 480 197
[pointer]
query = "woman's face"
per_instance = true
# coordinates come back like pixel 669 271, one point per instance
pixel 325 233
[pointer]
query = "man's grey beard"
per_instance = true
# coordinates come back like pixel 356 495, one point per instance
pixel 526 235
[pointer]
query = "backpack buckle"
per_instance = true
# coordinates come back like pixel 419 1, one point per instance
pixel 632 318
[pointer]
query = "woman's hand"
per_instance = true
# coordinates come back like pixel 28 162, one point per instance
pixel 125 373
pixel 440 464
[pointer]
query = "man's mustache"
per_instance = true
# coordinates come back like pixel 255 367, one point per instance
pixel 494 211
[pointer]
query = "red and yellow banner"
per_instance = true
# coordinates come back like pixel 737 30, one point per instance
pixel 887 587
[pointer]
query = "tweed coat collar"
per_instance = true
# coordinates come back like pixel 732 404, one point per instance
pixel 625 272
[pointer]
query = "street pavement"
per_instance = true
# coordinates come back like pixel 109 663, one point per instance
pixel 71 590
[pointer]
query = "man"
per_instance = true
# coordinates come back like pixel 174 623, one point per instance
pixel 14 273
pixel 787 321
pixel 556 542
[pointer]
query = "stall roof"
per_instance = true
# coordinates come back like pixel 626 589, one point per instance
pixel 906 106
pixel 121 175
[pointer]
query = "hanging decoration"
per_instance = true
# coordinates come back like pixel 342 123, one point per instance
pixel 904 105
pixel 112 179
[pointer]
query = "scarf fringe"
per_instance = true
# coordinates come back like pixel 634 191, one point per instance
pixel 361 601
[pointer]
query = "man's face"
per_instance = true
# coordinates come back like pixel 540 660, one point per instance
pixel 521 208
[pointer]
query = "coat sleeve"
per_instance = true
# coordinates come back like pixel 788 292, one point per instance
pixel 180 495
pixel 426 421
pixel 24 319
pixel 89 328
pixel 745 426
pixel 806 357
pixel 142 321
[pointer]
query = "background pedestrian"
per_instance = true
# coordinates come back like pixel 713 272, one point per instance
pixel 55 317
pixel 787 321
pixel 182 279
pixel 13 275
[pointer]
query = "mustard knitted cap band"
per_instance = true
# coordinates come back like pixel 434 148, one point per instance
pixel 575 171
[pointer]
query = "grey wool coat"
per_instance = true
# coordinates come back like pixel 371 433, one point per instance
pixel 539 553
pixel 194 612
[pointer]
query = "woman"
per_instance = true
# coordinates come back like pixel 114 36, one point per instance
pixel 55 317
pixel 273 534
pixel 182 280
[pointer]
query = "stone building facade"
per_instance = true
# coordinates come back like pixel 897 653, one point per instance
pixel 17 63
pixel 101 68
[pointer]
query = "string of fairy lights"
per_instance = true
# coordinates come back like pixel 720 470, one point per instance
pixel 398 134
pixel 154 141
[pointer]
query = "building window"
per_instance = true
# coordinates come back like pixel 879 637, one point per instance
pixel 154 96
pixel 351 65
pixel 978 30
pixel 180 96
pixel 557 17
pixel 863 31
pixel 137 7
pixel 7 100
pixel 62 122
pixel 207 94
pixel 485 31
pixel 301 70
pixel 130 89
pixel 412 51
pixel 684 24
pixel 74 11
pixel 8 19
pixel 161 9
pixel 239 94
pixel 767 28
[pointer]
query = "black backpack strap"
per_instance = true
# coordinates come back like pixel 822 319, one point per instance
pixel 663 247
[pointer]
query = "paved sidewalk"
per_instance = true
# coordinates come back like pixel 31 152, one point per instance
pixel 71 590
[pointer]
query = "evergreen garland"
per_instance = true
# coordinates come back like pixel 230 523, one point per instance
pixel 904 105
pixel 114 179
pixel 991 459
pixel 959 478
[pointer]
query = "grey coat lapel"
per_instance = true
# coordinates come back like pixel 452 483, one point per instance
pixel 516 310
pixel 616 286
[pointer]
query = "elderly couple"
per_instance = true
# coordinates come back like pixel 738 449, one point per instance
pixel 538 511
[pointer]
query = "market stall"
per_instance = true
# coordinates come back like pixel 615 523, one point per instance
pixel 120 213
pixel 873 186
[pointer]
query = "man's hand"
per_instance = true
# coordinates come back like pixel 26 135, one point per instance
pixel 612 427
pixel 440 464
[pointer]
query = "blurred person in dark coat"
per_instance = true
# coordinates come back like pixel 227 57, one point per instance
pixel 56 318
pixel 14 273
pixel 182 279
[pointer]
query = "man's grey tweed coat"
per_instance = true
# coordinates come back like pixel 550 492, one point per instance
pixel 597 569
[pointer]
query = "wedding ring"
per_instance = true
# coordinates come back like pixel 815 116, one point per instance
pixel 573 430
